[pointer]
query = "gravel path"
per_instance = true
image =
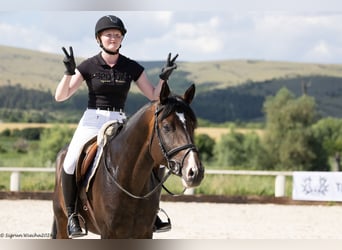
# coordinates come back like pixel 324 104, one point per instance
pixel 32 219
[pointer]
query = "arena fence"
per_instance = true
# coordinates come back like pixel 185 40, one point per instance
pixel 279 183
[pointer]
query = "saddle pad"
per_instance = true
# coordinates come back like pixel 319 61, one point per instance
pixel 107 131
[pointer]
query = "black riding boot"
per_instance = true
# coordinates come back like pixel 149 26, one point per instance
pixel 69 192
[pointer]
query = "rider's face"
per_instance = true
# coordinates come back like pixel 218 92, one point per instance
pixel 111 39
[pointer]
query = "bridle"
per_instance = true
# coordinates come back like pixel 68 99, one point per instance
pixel 173 166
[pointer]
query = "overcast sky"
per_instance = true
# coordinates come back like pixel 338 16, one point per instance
pixel 271 34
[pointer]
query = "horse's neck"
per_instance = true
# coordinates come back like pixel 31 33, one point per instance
pixel 138 127
pixel 134 138
pixel 130 151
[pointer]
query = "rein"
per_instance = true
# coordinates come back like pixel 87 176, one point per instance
pixel 133 195
pixel 173 166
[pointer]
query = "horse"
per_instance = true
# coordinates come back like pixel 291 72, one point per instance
pixel 123 197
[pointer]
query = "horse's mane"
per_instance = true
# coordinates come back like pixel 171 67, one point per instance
pixel 175 103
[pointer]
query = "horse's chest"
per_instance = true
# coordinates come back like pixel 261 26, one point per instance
pixel 134 221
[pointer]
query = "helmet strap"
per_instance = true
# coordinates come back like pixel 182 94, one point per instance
pixel 108 51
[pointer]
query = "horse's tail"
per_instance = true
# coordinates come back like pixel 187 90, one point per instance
pixel 59 224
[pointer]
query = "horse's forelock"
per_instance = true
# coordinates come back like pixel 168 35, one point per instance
pixel 177 104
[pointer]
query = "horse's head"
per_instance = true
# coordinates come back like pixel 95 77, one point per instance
pixel 174 126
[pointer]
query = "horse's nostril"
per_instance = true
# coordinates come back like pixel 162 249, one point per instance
pixel 191 173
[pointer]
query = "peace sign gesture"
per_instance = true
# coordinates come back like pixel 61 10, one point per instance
pixel 168 68
pixel 171 63
pixel 69 61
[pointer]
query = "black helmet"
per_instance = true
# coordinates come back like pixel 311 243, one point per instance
pixel 109 22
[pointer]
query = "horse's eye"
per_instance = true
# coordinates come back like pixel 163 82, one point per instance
pixel 166 127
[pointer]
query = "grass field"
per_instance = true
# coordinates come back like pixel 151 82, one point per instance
pixel 12 126
pixel 29 181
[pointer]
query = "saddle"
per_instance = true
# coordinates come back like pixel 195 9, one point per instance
pixel 86 158
pixel 86 165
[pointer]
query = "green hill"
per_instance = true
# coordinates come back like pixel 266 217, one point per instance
pixel 30 68
pixel 226 90
pixel 33 69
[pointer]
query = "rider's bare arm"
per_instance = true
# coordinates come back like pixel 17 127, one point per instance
pixel 68 86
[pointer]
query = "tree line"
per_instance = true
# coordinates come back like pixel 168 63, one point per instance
pixel 240 103
pixel 18 104
pixel 295 138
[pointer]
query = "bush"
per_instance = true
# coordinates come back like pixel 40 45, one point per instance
pixel 205 145
pixel 2 149
pixel 53 140
pixel 21 145
pixel 239 150
pixel 31 133
pixel 6 132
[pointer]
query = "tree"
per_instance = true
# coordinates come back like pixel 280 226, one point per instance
pixel 255 155
pixel 289 139
pixel 53 140
pixel 328 132
pixel 205 145
pixel 229 150
pixel 239 150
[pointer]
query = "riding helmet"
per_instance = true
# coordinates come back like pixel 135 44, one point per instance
pixel 109 22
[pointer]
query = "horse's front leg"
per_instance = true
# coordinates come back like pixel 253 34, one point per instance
pixel 61 227
pixel 60 220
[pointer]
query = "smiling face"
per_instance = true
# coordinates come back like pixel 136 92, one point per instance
pixel 111 39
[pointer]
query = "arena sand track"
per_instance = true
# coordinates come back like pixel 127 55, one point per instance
pixel 32 219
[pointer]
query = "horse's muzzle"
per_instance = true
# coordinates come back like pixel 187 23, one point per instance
pixel 192 175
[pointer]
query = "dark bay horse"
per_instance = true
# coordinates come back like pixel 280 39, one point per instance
pixel 122 201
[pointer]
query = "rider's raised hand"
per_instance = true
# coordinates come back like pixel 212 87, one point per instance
pixel 69 61
pixel 168 68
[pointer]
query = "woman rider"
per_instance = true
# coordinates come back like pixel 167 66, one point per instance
pixel 108 76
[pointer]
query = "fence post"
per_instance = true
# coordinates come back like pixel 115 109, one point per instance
pixel 15 181
pixel 280 184
pixel 189 191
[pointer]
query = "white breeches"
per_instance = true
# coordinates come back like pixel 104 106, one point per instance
pixel 89 125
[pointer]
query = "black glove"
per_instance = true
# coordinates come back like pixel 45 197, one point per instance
pixel 168 68
pixel 69 61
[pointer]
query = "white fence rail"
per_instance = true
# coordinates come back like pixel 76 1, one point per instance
pixel 15 174
pixel 279 184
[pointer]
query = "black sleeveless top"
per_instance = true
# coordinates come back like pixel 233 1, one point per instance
pixel 108 86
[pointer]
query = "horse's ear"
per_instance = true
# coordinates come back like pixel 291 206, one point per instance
pixel 189 94
pixel 164 93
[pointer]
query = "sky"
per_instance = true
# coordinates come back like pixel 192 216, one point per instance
pixel 229 31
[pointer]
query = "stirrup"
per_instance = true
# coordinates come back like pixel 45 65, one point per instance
pixel 168 223
pixel 84 224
